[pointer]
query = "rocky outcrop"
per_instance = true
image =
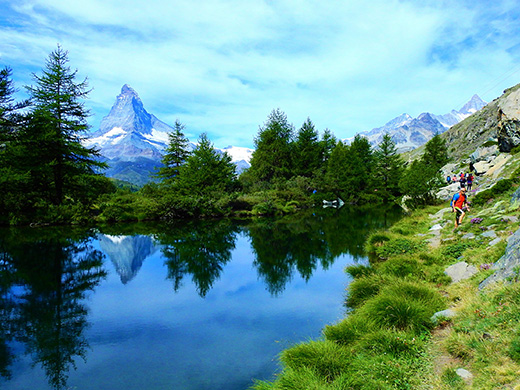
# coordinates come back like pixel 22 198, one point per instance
pixel 508 116
pixel 508 266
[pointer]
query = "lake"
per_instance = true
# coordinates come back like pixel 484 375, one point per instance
pixel 184 305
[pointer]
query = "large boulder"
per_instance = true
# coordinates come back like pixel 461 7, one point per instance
pixel 508 132
pixel 508 265
pixel 447 192
pixel 484 153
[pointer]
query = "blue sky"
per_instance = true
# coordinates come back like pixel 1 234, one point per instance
pixel 221 66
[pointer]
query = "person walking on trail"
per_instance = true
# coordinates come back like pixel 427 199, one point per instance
pixel 459 206
pixel 470 181
pixel 462 181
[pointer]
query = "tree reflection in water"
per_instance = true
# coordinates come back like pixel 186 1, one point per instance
pixel 44 280
pixel 45 274
pixel 281 246
pixel 199 248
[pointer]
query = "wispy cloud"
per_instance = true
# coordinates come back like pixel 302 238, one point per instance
pixel 222 66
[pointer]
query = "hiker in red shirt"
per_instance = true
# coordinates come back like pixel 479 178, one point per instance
pixel 459 206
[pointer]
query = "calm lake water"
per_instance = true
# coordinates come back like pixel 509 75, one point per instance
pixel 193 305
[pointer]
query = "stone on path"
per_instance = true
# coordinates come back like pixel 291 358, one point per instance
pixel 460 271
pixel 464 374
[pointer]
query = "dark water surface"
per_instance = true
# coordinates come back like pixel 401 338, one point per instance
pixel 192 305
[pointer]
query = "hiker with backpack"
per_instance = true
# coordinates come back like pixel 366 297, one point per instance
pixel 459 206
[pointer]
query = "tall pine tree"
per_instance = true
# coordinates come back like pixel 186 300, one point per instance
pixel 59 119
pixel 388 169
pixel 206 172
pixel 14 179
pixel 308 152
pixel 175 154
pixel 272 158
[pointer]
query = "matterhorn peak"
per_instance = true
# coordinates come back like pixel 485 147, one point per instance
pixel 128 90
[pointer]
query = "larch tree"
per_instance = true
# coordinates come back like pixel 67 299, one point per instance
pixel 388 169
pixel 59 120
pixel 175 154
pixel 308 153
pixel 206 171
pixel 272 158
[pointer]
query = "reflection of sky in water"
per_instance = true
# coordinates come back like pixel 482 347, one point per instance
pixel 143 335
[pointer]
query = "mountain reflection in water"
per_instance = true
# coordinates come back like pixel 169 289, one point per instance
pixel 48 276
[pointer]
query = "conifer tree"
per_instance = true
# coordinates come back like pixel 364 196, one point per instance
pixel 308 153
pixel 436 152
pixel 206 171
pixel 272 156
pixel 175 154
pixel 336 176
pixel 360 165
pixel 388 169
pixel 14 180
pixel 59 119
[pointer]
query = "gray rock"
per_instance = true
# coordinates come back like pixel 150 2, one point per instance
pixel 468 236
pixel 506 267
pixel 511 218
pixel 436 227
pixel 448 313
pixel 447 192
pixel 482 153
pixel 495 241
pixel 460 271
pixel 463 373
pixel 489 234
pixel 515 199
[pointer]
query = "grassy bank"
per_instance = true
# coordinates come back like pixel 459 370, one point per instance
pixel 389 339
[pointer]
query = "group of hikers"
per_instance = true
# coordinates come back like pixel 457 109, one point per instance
pixel 459 202
pixel 463 179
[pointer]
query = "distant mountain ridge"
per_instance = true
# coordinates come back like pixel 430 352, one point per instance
pixel 409 133
pixel 132 141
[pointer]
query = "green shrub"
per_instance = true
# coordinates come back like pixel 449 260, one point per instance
pixel 349 330
pixel 302 378
pixel 404 306
pixel 387 341
pixel 514 348
pixel 381 372
pixel 362 289
pixel 398 246
pixel 454 251
pixel 358 271
pixel 452 379
pixel 400 267
pixel 326 358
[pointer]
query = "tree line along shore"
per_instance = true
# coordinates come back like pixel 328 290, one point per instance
pixel 49 177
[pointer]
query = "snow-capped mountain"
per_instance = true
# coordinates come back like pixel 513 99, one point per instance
pixel 409 133
pixel 454 117
pixel 133 141
pixel 129 131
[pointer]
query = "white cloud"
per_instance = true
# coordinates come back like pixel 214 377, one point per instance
pixel 222 66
